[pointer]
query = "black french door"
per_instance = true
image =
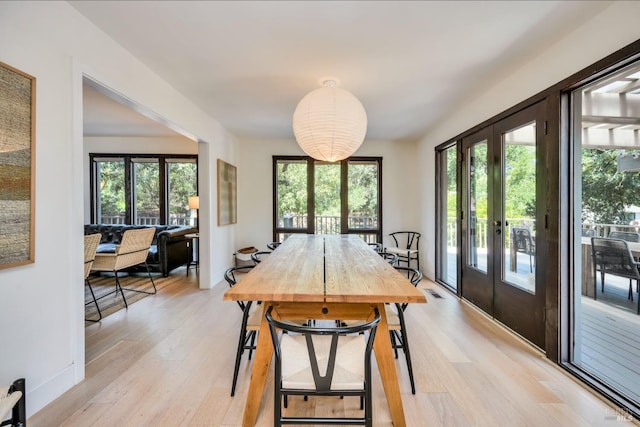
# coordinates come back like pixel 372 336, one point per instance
pixel 503 228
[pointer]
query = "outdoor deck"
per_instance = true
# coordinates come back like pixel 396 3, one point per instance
pixel 608 345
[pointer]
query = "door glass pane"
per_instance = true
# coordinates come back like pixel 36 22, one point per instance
pixel 448 197
pixel 291 194
pixel 111 203
pixel 478 214
pixel 519 207
pixel 183 183
pixel 363 195
pixel 147 192
pixel 327 198
pixel 606 159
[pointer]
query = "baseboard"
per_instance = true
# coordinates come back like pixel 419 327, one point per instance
pixel 41 395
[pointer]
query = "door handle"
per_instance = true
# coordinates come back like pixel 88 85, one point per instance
pixel 497 223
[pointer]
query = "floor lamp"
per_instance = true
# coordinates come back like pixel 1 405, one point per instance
pixel 194 205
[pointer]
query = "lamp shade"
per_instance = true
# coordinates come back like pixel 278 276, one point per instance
pixel 194 202
pixel 329 123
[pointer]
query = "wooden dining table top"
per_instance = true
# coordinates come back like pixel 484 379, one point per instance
pixel 325 277
pixel 325 268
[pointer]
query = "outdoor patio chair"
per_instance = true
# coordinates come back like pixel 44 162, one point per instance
pixel 613 256
pixel 524 243
pixel 627 236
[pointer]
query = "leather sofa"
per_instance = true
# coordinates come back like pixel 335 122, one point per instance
pixel 169 249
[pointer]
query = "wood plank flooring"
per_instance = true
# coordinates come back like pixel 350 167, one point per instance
pixel 168 361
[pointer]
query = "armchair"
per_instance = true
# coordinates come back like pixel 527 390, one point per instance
pixel 132 251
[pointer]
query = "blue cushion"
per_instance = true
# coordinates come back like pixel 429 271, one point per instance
pixel 152 257
pixel 107 248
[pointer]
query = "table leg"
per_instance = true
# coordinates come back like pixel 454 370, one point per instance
pixel 587 271
pixel 387 368
pixel 261 362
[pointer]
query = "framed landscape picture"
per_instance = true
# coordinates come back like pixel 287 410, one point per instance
pixel 17 166
pixel 227 193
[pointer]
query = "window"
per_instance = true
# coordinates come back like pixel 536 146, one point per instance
pixel 447 211
pixel 316 197
pixel 143 189
pixel 605 334
pixel 108 192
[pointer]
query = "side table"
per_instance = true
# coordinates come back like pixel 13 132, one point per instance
pixel 194 255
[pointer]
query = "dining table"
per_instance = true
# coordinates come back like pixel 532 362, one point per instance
pixel 325 277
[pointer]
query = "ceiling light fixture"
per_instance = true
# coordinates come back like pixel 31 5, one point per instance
pixel 329 123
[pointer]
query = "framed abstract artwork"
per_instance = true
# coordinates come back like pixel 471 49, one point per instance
pixel 227 193
pixel 17 167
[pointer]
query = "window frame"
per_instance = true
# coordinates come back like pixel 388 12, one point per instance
pixel 129 164
pixel 344 190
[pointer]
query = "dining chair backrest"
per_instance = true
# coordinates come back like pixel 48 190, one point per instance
pixel 257 257
pixel 406 239
pixel 377 247
pixel 322 361
pixel 389 257
pixel 230 276
pixel 273 245
pixel 628 236
pixel 414 276
pixel 308 332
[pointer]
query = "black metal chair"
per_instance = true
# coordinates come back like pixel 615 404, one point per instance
pixel 627 236
pixel 257 257
pixel 250 323
pixel 407 247
pixel 13 400
pixel 273 245
pixel 396 322
pixel 389 257
pixel 524 243
pixel 377 247
pixel 613 256
pixel 322 361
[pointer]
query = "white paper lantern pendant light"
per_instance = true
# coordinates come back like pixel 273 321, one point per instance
pixel 329 123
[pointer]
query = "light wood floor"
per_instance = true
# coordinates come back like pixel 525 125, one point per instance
pixel 168 361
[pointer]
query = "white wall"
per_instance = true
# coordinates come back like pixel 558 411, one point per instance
pixel 255 186
pixel 612 29
pixel 42 304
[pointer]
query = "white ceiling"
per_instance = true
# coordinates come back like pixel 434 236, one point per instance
pixel 249 63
